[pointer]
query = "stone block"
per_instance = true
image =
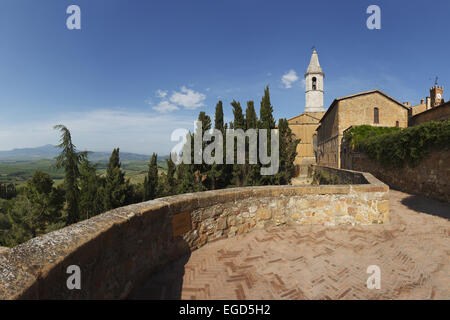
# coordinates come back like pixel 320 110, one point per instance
pixel 221 223
pixel 263 214
pixel 383 206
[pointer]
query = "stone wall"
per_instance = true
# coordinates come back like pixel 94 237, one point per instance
pixel 440 113
pixel 119 248
pixel 340 176
pixel 430 178
pixel 355 110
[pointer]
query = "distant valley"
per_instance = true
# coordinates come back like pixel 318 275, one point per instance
pixel 18 165
pixel 50 152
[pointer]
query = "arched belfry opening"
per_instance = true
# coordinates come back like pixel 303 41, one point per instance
pixel 314 83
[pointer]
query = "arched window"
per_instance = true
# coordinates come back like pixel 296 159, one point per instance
pixel 376 115
pixel 314 83
pixel 397 124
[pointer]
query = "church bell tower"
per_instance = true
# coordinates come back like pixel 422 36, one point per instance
pixel 436 95
pixel 314 85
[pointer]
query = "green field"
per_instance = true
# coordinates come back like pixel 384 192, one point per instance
pixel 18 172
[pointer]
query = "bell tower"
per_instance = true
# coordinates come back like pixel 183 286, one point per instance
pixel 314 85
pixel 436 95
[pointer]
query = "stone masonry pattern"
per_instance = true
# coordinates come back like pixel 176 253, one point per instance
pixel 319 262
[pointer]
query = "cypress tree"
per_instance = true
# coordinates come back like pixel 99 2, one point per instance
pixel 218 118
pixel 151 181
pixel 267 122
pixel 185 178
pixel 218 173
pixel 288 152
pixel 239 120
pixel 91 190
pixel 266 112
pixel 250 116
pixel 203 168
pixel 69 159
pixel 205 120
pixel 253 170
pixel 116 187
pixel 171 169
pixel 238 172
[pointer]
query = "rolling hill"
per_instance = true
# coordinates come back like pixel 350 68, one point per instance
pixel 50 152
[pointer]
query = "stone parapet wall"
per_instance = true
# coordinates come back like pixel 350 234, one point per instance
pixel 339 175
pixel 119 248
pixel 431 177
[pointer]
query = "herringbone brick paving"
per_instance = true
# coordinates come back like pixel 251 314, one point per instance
pixel 318 262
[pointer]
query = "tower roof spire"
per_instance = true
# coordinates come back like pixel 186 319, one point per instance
pixel 314 66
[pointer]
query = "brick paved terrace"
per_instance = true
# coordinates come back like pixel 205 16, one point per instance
pixel 320 262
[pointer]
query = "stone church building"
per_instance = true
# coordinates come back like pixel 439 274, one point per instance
pixel 322 133
pixel 373 108
pixel 304 126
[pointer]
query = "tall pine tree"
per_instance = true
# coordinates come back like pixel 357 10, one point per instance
pixel 288 152
pixel 116 188
pixel 69 159
pixel 219 175
pixel 91 190
pixel 239 123
pixel 253 170
pixel 171 170
pixel 267 122
pixel 37 210
pixel 151 181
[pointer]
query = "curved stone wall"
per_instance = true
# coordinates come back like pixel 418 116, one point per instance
pixel 119 248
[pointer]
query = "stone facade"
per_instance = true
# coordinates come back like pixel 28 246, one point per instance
pixel 304 128
pixel 419 108
pixel 431 177
pixel 440 113
pixel 120 248
pixel 436 99
pixel 365 108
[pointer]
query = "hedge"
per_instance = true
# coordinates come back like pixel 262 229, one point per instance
pixel 399 147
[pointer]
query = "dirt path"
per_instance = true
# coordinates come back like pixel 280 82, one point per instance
pixel 317 262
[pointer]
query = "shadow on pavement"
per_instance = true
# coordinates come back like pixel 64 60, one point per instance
pixel 165 284
pixel 428 206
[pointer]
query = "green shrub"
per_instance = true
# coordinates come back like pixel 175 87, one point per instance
pixel 397 147
pixel 320 177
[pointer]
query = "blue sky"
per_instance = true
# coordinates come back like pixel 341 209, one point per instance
pixel 137 70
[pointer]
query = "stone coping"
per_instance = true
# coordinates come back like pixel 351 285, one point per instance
pixel 24 268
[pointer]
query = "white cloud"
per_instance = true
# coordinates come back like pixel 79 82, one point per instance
pixel 165 106
pixel 161 93
pixel 289 78
pixel 100 130
pixel 188 98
